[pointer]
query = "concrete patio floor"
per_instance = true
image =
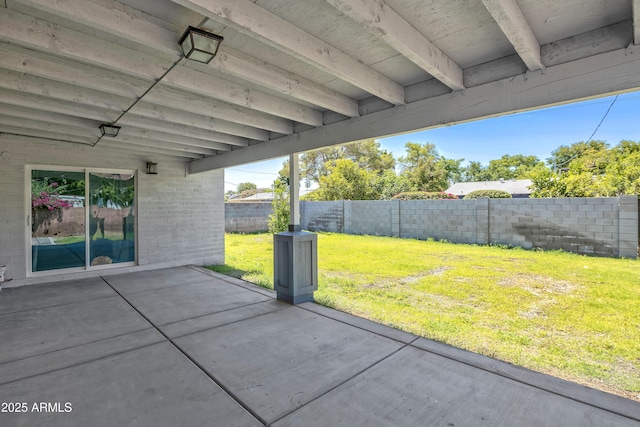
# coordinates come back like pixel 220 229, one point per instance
pixel 189 347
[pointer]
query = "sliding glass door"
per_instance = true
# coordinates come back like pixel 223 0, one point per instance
pixel 57 220
pixel 111 220
pixel 81 219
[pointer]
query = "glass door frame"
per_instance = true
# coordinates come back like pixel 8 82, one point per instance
pixel 87 213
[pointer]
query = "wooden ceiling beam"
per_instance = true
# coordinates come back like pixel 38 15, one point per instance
pixel 48 117
pixel 130 25
pixel 385 23
pixel 197 136
pixel 151 144
pixel 7 120
pixel 193 124
pixel 105 147
pixel 196 144
pixel 30 134
pixel 63 132
pixel 64 83
pixel 515 27
pixel 108 16
pixel 32 33
pixel 205 136
pixel 145 149
pixel 191 102
pixel 183 78
pixel 62 124
pixel 636 21
pixel 52 89
pixel 40 94
pixel 37 34
pixel 263 74
pixel 588 78
pixel 39 102
pixel 63 70
pixel 250 19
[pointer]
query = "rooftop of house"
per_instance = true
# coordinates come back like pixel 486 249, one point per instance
pixel 513 186
pixel 266 196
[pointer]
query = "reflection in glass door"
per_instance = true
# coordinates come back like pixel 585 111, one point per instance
pixel 57 220
pixel 111 220
pixel 66 214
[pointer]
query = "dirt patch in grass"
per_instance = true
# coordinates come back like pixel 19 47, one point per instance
pixel 377 285
pixel 416 278
pixel 537 309
pixel 539 285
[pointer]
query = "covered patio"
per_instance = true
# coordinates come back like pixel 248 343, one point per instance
pixel 155 98
pixel 104 99
pixel 186 346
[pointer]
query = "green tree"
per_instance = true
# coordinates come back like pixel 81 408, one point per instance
pixel 283 173
pixel 511 167
pixel 426 170
pixel 591 170
pixel 366 154
pixel 243 186
pixel 507 167
pixel 280 212
pixel 622 173
pixel 453 169
pixel 474 172
pixel 545 183
pixel 388 184
pixel 345 180
pixel 563 155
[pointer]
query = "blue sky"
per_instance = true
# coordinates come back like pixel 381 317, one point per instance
pixel 535 133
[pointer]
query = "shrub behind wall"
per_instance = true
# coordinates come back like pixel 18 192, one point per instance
pixel 424 195
pixel 491 194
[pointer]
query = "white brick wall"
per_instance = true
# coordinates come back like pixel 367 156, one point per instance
pixel 180 216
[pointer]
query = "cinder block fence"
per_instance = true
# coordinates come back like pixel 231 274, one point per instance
pixel 600 226
pixel 246 217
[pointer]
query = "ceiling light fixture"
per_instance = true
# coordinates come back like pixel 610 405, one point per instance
pixel 199 45
pixel 109 130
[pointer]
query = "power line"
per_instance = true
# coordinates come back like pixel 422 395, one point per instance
pixel 603 117
pixel 263 173
pixel 555 166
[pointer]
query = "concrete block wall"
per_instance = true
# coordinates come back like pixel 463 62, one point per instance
pixel 582 225
pixel 246 217
pixel 482 221
pixel 369 217
pixel 599 226
pixel 180 216
pixel 628 226
pixel 323 216
pixel 453 220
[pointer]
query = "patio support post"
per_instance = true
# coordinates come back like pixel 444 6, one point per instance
pixel 295 252
pixel 294 192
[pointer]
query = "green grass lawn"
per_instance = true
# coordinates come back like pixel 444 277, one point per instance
pixel 75 239
pixel 571 316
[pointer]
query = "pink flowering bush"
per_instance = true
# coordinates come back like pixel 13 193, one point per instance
pixel 46 204
pixel 47 195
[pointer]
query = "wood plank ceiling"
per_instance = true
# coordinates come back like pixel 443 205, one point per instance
pixel 290 74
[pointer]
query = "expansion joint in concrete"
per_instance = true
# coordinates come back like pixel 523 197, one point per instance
pixel 191 359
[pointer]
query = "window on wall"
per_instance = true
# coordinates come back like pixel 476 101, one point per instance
pixel 81 219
